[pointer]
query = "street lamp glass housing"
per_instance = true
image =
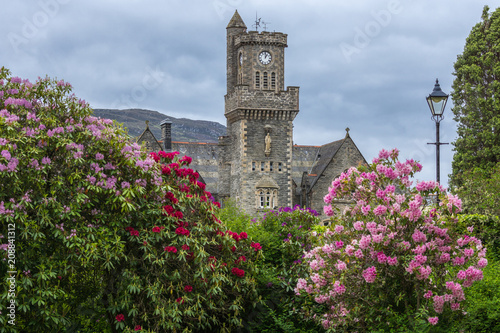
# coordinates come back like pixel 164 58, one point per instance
pixel 437 100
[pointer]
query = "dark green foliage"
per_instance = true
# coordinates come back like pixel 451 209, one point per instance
pixel 480 192
pixel 476 99
pixel 284 235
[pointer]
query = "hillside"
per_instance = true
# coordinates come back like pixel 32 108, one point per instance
pixel 183 129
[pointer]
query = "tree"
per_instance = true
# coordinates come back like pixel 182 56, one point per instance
pixel 95 235
pixel 476 98
pixel 394 259
pixel 480 192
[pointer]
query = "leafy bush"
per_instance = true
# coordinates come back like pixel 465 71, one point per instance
pixel 393 253
pixel 484 227
pixel 104 235
pixel 284 235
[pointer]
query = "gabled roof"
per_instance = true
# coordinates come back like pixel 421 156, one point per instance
pixel 325 154
pixel 267 182
pixel 236 21
pixel 149 137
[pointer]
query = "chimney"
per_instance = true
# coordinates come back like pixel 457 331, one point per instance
pixel 166 134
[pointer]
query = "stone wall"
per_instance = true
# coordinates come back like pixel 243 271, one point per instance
pixel 347 156
pixel 205 160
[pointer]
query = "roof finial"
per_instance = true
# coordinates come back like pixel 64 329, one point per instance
pixel 147 123
pixel 347 132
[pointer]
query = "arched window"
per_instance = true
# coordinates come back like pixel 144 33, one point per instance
pixel 265 81
pixel 273 80
pixel 257 80
pixel 262 199
pixel 267 198
pixel 266 193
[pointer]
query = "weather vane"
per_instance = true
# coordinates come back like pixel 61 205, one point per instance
pixel 257 22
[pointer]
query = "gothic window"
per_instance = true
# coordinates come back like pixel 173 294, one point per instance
pixel 280 166
pixel 253 166
pixel 267 198
pixel 270 166
pixel 262 199
pixel 265 80
pixel 257 80
pixel 262 164
pixel 273 80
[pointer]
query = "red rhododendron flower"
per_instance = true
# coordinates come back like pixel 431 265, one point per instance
pixel 186 160
pixel 138 328
pixel 120 317
pixel 165 170
pixel 169 209
pixel 156 229
pixel 134 233
pixel 256 246
pixel 200 185
pixel 238 272
pixel 243 235
pixel 216 203
pixel 178 214
pixel 233 248
pixel 188 288
pixel 185 247
pixel 170 196
pixel 155 157
pixel 179 300
pixel 170 249
pixel 182 231
pixel 162 154
pixel 129 228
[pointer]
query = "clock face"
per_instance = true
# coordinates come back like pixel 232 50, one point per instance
pixel 265 57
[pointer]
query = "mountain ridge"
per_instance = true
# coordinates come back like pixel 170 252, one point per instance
pixel 183 129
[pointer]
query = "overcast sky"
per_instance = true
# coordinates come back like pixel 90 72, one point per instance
pixel 363 64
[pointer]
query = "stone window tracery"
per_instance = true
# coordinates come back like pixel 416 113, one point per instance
pixel 267 198
pixel 257 79
pixel 265 80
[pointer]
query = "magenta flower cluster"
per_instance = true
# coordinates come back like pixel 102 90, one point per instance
pixel 392 230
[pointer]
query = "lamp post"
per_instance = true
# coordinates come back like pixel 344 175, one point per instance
pixel 437 102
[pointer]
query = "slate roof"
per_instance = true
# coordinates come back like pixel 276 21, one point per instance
pixel 325 154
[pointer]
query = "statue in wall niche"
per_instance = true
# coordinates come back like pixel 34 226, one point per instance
pixel 268 144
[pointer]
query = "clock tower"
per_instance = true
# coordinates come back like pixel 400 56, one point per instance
pixel 255 167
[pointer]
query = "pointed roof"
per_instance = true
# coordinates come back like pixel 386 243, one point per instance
pixel 267 182
pixel 236 21
pixel 150 139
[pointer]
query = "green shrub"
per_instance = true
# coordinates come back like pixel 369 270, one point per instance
pixel 284 235
pixel 102 229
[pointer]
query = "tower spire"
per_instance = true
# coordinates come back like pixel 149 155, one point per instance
pixel 236 21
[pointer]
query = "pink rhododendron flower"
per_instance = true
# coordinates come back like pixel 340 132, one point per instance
pixel 370 274
pixel 433 320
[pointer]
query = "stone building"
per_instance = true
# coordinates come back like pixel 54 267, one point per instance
pixel 257 163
